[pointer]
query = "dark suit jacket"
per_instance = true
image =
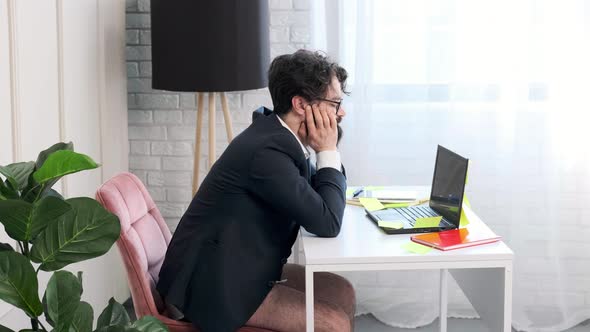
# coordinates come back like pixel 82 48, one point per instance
pixel 231 244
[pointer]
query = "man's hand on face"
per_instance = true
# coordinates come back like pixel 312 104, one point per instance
pixel 321 126
pixel 302 133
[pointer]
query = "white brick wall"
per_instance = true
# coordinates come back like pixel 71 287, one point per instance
pixel 162 124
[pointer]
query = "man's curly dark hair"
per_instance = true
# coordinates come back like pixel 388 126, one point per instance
pixel 303 73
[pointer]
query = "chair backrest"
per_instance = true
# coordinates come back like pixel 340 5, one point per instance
pixel 143 241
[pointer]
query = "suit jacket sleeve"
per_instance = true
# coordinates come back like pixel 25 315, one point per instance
pixel 275 179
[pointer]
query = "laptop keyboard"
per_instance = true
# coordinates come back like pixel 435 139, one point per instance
pixel 414 212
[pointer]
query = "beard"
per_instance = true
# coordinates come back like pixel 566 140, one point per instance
pixel 340 132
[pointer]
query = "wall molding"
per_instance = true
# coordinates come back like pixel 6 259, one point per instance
pixel 100 68
pixel 60 82
pixel 14 84
pixel 57 96
pixel 15 124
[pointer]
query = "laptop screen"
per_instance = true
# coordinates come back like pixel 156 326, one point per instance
pixel 448 184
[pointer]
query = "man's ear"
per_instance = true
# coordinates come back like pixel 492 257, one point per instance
pixel 298 105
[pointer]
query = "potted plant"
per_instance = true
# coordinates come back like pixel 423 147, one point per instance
pixel 51 233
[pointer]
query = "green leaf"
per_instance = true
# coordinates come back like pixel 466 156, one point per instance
pixel 61 163
pixel 83 318
pixel 117 328
pixel 45 211
pixel 6 191
pixel 5 329
pixel 84 232
pixel 150 324
pixel 6 247
pixel 18 174
pixel 52 193
pixel 33 195
pixel 18 283
pixel 55 147
pixel 23 221
pixel 62 297
pixel 113 314
pixel 16 215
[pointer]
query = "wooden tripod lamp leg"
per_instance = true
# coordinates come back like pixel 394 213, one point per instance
pixel 228 126
pixel 197 158
pixel 228 129
pixel 211 129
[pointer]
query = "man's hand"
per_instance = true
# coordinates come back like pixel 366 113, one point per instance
pixel 302 133
pixel 322 128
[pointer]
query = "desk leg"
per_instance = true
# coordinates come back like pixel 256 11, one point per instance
pixel 490 292
pixel 442 318
pixel 297 249
pixel 309 299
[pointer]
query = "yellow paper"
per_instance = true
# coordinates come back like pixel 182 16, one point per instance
pixel 349 192
pixel 391 224
pixel 416 248
pixel 397 205
pixel 464 221
pixel 353 202
pixel 427 222
pixel 372 188
pixel 466 201
pixel 371 204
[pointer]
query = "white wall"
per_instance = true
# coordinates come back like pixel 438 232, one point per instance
pixel 63 78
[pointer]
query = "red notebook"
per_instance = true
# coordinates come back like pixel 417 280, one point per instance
pixel 456 238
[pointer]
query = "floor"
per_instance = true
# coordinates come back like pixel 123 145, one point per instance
pixel 367 323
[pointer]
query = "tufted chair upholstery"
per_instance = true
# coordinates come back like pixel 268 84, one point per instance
pixel 142 244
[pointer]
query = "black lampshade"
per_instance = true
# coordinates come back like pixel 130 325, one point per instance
pixel 210 45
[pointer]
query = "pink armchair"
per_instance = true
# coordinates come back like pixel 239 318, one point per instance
pixel 142 244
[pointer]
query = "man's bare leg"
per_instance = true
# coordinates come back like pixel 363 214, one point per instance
pixel 283 310
pixel 328 287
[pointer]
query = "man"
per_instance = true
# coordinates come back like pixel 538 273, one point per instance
pixel 225 266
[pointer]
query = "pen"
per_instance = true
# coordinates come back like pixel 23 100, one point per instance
pixel 357 192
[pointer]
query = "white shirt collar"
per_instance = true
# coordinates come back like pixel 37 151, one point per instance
pixel 305 151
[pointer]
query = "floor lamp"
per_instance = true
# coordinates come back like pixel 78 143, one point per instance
pixel 209 47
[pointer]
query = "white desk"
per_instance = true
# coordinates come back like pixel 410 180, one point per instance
pixel 483 272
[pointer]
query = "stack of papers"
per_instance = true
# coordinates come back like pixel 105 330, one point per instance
pixel 384 195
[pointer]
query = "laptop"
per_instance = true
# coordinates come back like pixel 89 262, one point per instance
pixel 446 198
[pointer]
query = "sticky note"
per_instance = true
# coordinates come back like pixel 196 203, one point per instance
pixel 349 192
pixel 373 188
pixel 427 222
pixel 391 224
pixel 416 248
pixel 463 221
pixel 371 204
pixel 396 205
pixel 466 201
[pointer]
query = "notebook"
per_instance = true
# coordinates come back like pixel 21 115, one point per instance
pixel 457 238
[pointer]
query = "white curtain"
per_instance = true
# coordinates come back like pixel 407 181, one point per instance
pixel 504 83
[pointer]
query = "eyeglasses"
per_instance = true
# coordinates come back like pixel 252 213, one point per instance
pixel 337 103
